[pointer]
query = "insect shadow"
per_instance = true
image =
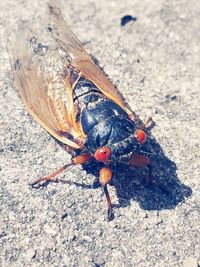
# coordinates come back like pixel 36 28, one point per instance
pixel 165 192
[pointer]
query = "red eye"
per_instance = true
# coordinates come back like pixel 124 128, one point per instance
pixel 102 154
pixel 141 136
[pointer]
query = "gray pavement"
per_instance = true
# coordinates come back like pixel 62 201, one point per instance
pixel 155 63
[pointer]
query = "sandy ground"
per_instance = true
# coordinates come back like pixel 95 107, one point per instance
pixel 155 63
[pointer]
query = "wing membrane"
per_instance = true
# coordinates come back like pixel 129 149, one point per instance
pixel 40 74
pixel 79 58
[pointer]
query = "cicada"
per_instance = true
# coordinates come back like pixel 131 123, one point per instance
pixel 68 94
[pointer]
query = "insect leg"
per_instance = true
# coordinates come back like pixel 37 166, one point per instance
pixel 80 159
pixel 141 161
pixel 49 177
pixel 148 123
pixel 104 179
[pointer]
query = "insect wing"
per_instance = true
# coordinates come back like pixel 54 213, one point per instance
pixel 79 58
pixel 41 77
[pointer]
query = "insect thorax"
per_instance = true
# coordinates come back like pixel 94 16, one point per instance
pixel 103 121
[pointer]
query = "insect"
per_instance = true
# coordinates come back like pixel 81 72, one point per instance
pixel 74 101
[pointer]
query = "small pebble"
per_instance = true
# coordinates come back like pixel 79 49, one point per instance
pixel 126 19
pixel 170 98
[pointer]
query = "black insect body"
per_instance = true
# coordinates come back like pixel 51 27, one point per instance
pixel 74 101
pixel 105 123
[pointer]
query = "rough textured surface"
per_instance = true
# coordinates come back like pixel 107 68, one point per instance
pixel 155 63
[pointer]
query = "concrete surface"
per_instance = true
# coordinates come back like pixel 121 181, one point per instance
pixel 155 63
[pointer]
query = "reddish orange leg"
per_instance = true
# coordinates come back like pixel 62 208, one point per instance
pixel 138 160
pixel 75 161
pixel 104 179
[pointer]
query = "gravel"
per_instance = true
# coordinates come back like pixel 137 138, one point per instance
pixel 154 61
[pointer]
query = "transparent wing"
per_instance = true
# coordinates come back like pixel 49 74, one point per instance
pixel 41 76
pixel 77 55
